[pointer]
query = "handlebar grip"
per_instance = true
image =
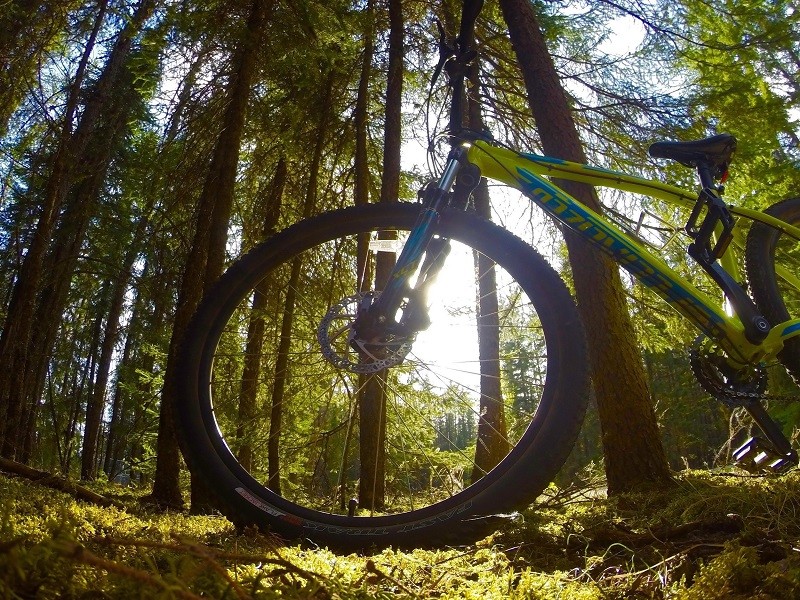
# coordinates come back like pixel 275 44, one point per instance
pixel 469 13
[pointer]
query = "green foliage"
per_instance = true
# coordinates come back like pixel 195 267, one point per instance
pixel 741 57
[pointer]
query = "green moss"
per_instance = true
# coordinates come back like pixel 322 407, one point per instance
pixel 739 573
pixel 680 543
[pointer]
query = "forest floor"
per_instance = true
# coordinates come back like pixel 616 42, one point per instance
pixel 715 535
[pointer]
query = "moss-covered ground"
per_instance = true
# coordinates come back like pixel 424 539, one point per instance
pixel 714 536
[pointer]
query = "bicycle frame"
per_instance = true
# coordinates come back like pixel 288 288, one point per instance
pixel 529 172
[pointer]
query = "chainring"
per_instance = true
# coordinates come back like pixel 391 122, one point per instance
pixel 730 386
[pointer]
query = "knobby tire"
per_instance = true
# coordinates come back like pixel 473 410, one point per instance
pixel 429 508
pixel 766 249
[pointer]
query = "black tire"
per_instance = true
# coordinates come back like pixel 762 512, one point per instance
pixel 425 502
pixel 767 250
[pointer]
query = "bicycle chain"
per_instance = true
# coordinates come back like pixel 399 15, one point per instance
pixel 726 393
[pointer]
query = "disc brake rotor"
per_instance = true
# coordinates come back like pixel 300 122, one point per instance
pixel 343 347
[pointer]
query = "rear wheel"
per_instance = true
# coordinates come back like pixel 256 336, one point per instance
pixel 772 259
pixel 277 412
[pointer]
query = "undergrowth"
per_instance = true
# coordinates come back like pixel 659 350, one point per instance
pixel 711 537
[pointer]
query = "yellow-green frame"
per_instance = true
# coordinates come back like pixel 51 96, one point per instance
pixel 532 174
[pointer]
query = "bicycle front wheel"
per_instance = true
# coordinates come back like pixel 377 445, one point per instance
pixel 277 413
pixel 771 260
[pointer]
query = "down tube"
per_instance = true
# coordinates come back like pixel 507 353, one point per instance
pixel 643 265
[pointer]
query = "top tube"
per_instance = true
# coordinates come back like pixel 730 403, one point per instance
pixel 530 173
pixel 502 165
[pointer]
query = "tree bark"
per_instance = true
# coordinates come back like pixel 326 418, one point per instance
pixel 113 441
pixel 368 397
pixel 251 371
pixel 147 392
pixel 392 140
pixel 97 403
pixel 61 261
pixel 61 484
pixel 206 256
pixel 372 400
pixel 281 377
pixel 309 202
pixel 362 178
pixel 24 374
pixel 632 447
pixel 492 438
pixel 15 341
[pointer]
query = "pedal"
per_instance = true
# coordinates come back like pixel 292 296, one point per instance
pixel 757 455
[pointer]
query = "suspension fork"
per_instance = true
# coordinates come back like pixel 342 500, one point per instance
pixel 397 287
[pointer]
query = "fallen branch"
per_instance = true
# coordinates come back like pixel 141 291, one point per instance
pixel 54 481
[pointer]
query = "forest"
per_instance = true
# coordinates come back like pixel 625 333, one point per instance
pixel 147 144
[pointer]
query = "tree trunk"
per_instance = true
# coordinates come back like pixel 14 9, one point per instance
pixel 113 445
pixel 632 447
pixel 370 456
pixel 97 403
pixel 279 385
pixel 362 178
pixel 251 372
pixel 62 484
pixel 75 392
pixel 492 439
pixel 309 202
pixel 372 401
pixel 24 374
pixel 246 424
pixel 146 394
pixel 58 267
pixel 361 172
pixel 206 255
pixel 96 399
pixel 392 140
pixel 15 341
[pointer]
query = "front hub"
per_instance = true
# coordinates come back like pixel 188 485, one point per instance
pixel 354 340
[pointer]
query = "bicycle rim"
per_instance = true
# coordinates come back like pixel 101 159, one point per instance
pixel 290 415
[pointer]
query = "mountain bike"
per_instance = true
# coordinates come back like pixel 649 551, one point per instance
pixel 407 373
